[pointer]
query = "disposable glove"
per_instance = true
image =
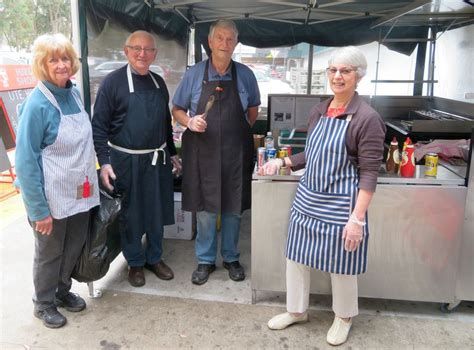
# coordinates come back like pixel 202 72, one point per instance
pixel 352 234
pixel 271 167
pixel 197 123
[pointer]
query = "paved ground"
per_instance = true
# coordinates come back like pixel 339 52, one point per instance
pixel 176 314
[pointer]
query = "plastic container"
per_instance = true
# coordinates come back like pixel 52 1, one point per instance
pixel 269 141
pixel 393 157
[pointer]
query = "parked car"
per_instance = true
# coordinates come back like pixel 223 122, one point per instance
pixel 268 85
pixel 98 72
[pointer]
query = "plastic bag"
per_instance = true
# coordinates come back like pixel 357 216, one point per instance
pixel 102 242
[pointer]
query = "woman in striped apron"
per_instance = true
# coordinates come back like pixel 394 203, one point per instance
pixel 55 164
pixel 328 227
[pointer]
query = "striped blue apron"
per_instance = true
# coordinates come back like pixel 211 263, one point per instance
pixel 67 162
pixel 324 200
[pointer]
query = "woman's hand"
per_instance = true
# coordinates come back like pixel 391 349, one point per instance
pixel 271 167
pixel 45 226
pixel 197 123
pixel 352 235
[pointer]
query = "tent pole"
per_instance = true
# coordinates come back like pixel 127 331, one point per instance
pixel 76 40
pixel 79 39
pixel 310 69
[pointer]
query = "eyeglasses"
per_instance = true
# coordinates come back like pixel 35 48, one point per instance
pixel 345 72
pixel 138 49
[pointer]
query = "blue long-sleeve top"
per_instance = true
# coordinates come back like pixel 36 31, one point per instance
pixel 37 129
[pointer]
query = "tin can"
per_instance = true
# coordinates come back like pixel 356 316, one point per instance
pixel 271 153
pixel 289 150
pixel 260 157
pixel 282 152
pixel 431 164
pixel 284 171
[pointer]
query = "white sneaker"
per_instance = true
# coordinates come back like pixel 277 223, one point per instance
pixel 339 331
pixel 286 319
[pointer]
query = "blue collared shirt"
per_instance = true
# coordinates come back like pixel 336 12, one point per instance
pixel 188 92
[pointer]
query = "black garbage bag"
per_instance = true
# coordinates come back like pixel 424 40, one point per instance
pixel 102 242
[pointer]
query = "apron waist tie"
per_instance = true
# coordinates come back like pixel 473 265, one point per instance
pixel 143 151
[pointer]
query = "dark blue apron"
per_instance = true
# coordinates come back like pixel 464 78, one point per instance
pixel 325 198
pixel 147 189
pixel 217 164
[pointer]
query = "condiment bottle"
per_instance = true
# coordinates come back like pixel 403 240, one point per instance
pixel 393 157
pixel 407 167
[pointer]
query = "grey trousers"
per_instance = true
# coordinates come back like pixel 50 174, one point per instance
pixel 55 258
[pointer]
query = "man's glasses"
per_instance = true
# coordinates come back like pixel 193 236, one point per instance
pixel 345 72
pixel 138 49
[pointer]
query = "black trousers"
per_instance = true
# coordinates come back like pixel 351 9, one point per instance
pixel 55 257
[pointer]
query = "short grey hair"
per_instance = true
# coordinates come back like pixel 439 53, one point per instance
pixel 352 56
pixel 224 23
pixel 140 33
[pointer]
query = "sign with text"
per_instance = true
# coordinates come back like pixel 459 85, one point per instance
pixel 16 76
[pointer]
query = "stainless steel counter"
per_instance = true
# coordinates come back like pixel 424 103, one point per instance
pixel 444 177
pixel 416 228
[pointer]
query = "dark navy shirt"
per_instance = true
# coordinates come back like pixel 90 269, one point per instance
pixel 111 106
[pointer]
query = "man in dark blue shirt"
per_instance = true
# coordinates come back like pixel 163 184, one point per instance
pixel 134 144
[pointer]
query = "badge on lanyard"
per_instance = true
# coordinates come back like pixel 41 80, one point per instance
pixel 85 190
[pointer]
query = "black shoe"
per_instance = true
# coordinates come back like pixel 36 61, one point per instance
pixel 71 302
pixel 236 271
pixel 51 317
pixel 201 274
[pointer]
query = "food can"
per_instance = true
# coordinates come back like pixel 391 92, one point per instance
pixel 260 157
pixel 271 153
pixel 282 152
pixel 431 164
pixel 283 171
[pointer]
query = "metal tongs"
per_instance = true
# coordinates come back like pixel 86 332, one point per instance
pixel 209 104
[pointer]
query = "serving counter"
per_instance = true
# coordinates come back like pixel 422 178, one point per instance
pixel 416 227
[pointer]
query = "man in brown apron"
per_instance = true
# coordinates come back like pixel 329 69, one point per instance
pixel 217 148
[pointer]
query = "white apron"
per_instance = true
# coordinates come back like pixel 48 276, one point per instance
pixel 68 161
pixel 324 200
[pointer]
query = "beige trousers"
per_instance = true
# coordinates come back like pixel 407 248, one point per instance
pixel 344 291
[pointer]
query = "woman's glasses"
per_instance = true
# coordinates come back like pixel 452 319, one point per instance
pixel 345 71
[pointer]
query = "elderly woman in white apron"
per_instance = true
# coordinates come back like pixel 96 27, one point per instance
pixel 55 164
pixel 328 224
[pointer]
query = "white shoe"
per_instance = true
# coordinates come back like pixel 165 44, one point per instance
pixel 339 331
pixel 286 319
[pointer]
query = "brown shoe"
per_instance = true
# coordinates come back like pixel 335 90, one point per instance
pixel 161 270
pixel 136 276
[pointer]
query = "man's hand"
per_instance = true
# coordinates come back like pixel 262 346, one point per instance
pixel 176 164
pixel 107 173
pixel 197 123
pixel 45 226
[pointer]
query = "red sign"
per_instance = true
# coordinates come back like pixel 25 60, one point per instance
pixel 16 76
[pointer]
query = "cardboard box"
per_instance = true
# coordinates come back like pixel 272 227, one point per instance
pixel 182 229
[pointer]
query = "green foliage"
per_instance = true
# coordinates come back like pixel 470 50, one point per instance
pixel 21 21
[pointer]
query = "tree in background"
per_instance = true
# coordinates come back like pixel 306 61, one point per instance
pixel 21 21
